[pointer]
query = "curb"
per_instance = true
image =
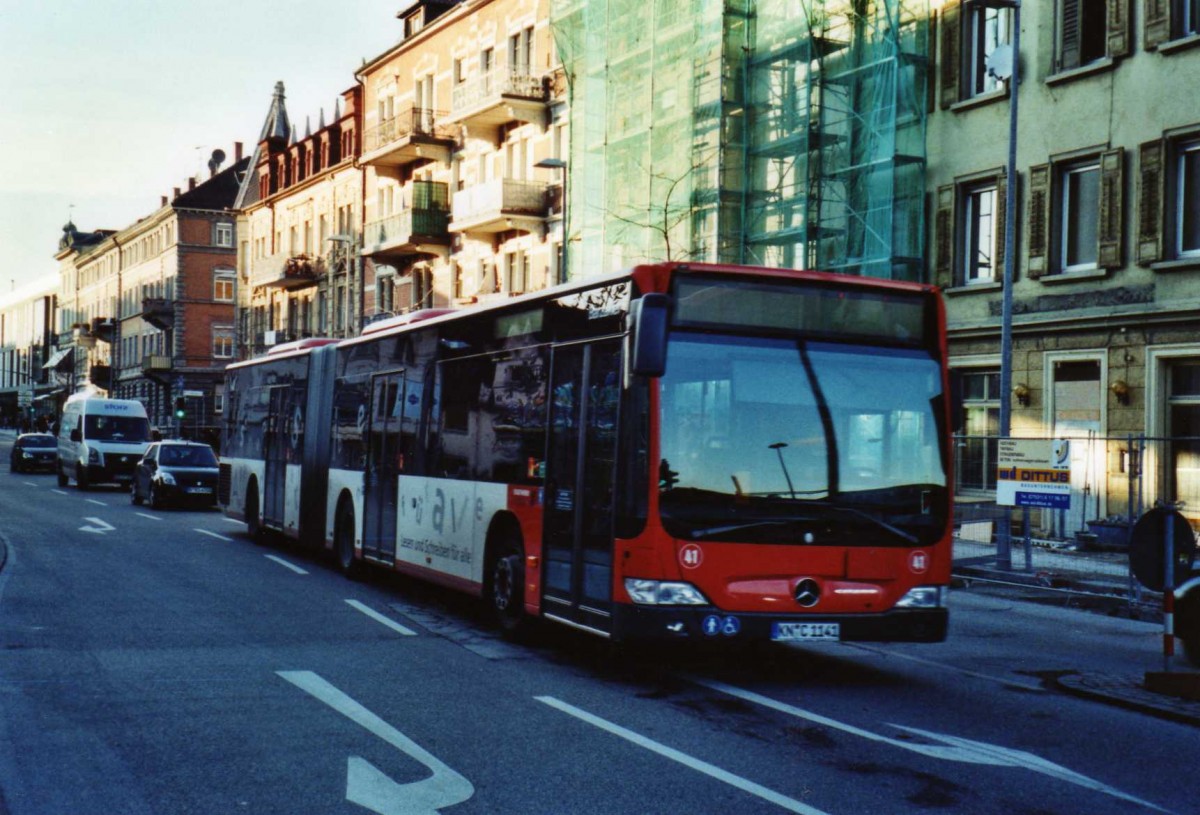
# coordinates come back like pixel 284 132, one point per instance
pixel 1128 691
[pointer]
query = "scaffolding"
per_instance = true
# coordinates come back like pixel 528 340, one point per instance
pixel 776 132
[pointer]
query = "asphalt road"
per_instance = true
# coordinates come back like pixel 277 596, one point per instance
pixel 160 662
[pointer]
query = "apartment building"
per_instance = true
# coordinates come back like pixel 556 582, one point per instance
pixel 1106 295
pixel 463 157
pixel 27 351
pixel 299 221
pixel 147 312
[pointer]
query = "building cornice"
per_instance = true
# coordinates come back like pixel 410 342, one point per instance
pixel 465 9
pixel 1187 311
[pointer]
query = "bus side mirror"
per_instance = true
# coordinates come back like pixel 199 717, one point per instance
pixel 650 318
pixel 75 435
pixel 957 413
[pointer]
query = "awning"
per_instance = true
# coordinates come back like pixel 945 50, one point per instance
pixel 57 358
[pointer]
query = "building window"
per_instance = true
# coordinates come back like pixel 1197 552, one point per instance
pixel 984 30
pixel 1170 20
pixel 1078 210
pixel 1082 33
pixel 977 447
pixel 1183 427
pixel 223 342
pixel 223 235
pixel 219 398
pixel 1076 215
pixel 1186 180
pixel 980 236
pixel 223 283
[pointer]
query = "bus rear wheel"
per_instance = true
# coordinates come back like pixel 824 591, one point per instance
pixel 507 587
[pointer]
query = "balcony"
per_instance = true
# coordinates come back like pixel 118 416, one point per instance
pixel 498 97
pixel 419 230
pixel 159 312
pixel 155 363
pixel 500 205
pixel 411 136
pixel 286 270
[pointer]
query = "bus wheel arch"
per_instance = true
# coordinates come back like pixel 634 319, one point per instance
pixel 343 537
pixel 504 574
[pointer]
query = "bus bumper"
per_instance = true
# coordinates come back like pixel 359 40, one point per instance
pixel 707 624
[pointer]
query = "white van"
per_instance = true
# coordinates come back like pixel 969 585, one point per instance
pixel 101 440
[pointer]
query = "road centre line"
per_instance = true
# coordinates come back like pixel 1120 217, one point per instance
pixel 151 517
pixel 60 492
pixel 211 534
pixel 94 501
pixel 232 521
pixel 790 804
pixel 30 484
pixel 278 560
pixel 379 618
pixel 1012 683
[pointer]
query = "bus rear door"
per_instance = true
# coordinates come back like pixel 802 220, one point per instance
pixel 381 480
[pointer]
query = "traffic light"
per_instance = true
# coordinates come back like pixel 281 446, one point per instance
pixel 180 407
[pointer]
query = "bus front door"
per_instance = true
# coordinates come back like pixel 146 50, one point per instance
pixel 381 481
pixel 275 455
pixel 579 486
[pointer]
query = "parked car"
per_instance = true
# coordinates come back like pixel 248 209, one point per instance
pixel 33 451
pixel 176 472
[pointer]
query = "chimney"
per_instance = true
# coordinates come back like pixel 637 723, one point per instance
pixel 163 203
pixel 237 151
pixel 191 183
pixel 176 192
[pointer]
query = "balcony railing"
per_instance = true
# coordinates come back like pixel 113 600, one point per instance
pixel 152 363
pixel 287 270
pixel 412 135
pixel 159 312
pixel 499 205
pixel 497 97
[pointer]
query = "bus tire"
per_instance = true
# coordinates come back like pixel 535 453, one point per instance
pixel 343 541
pixel 506 586
pixel 254 527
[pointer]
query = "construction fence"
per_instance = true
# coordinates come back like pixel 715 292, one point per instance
pixel 1083 548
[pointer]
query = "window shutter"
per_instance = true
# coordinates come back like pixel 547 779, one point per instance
pixel 1068 54
pixel 1112 208
pixel 1158 23
pixel 1039 219
pixel 1117 28
pixel 943 272
pixel 1151 156
pixel 951 63
pixel 1001 221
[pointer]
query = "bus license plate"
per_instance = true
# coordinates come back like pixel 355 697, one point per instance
pixel 787 632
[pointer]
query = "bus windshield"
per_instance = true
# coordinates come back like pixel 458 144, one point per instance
pixel 132 429
pixel 798 441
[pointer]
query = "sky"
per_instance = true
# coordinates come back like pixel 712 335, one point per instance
pixel 111 103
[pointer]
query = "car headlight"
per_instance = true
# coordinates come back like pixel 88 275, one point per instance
pixel 93 455
pixel 663 593
pixel 25 454
pixel 923 597
pixel 166 478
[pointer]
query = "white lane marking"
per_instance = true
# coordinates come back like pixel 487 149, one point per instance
pixel 94 501
pixel 30 484
pixel 151 517
pixel 952 748
pixel 280 561
pixel 60 492
pixel 232 521
pixel 790 804
pixel 366 785
pixel 211 534
pixel 1012 683
pixel 97 526
pixel 379 618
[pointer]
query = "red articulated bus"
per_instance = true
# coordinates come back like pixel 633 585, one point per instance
pixel 683 451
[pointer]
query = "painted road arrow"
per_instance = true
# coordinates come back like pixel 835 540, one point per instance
pixel 99 527
pixel 365 784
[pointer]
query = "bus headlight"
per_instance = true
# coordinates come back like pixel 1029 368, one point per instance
pixel 923 597
pixel 663 593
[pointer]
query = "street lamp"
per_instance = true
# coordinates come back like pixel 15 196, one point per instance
pixel 559 164
pixel 1004 532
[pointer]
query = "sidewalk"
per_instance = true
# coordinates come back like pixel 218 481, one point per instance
pixel 1100 580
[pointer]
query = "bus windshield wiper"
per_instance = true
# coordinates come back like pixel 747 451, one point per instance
pixel 720 530
pixel 866 516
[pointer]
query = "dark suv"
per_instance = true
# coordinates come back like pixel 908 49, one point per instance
pixel 33 451
pixel 175 472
